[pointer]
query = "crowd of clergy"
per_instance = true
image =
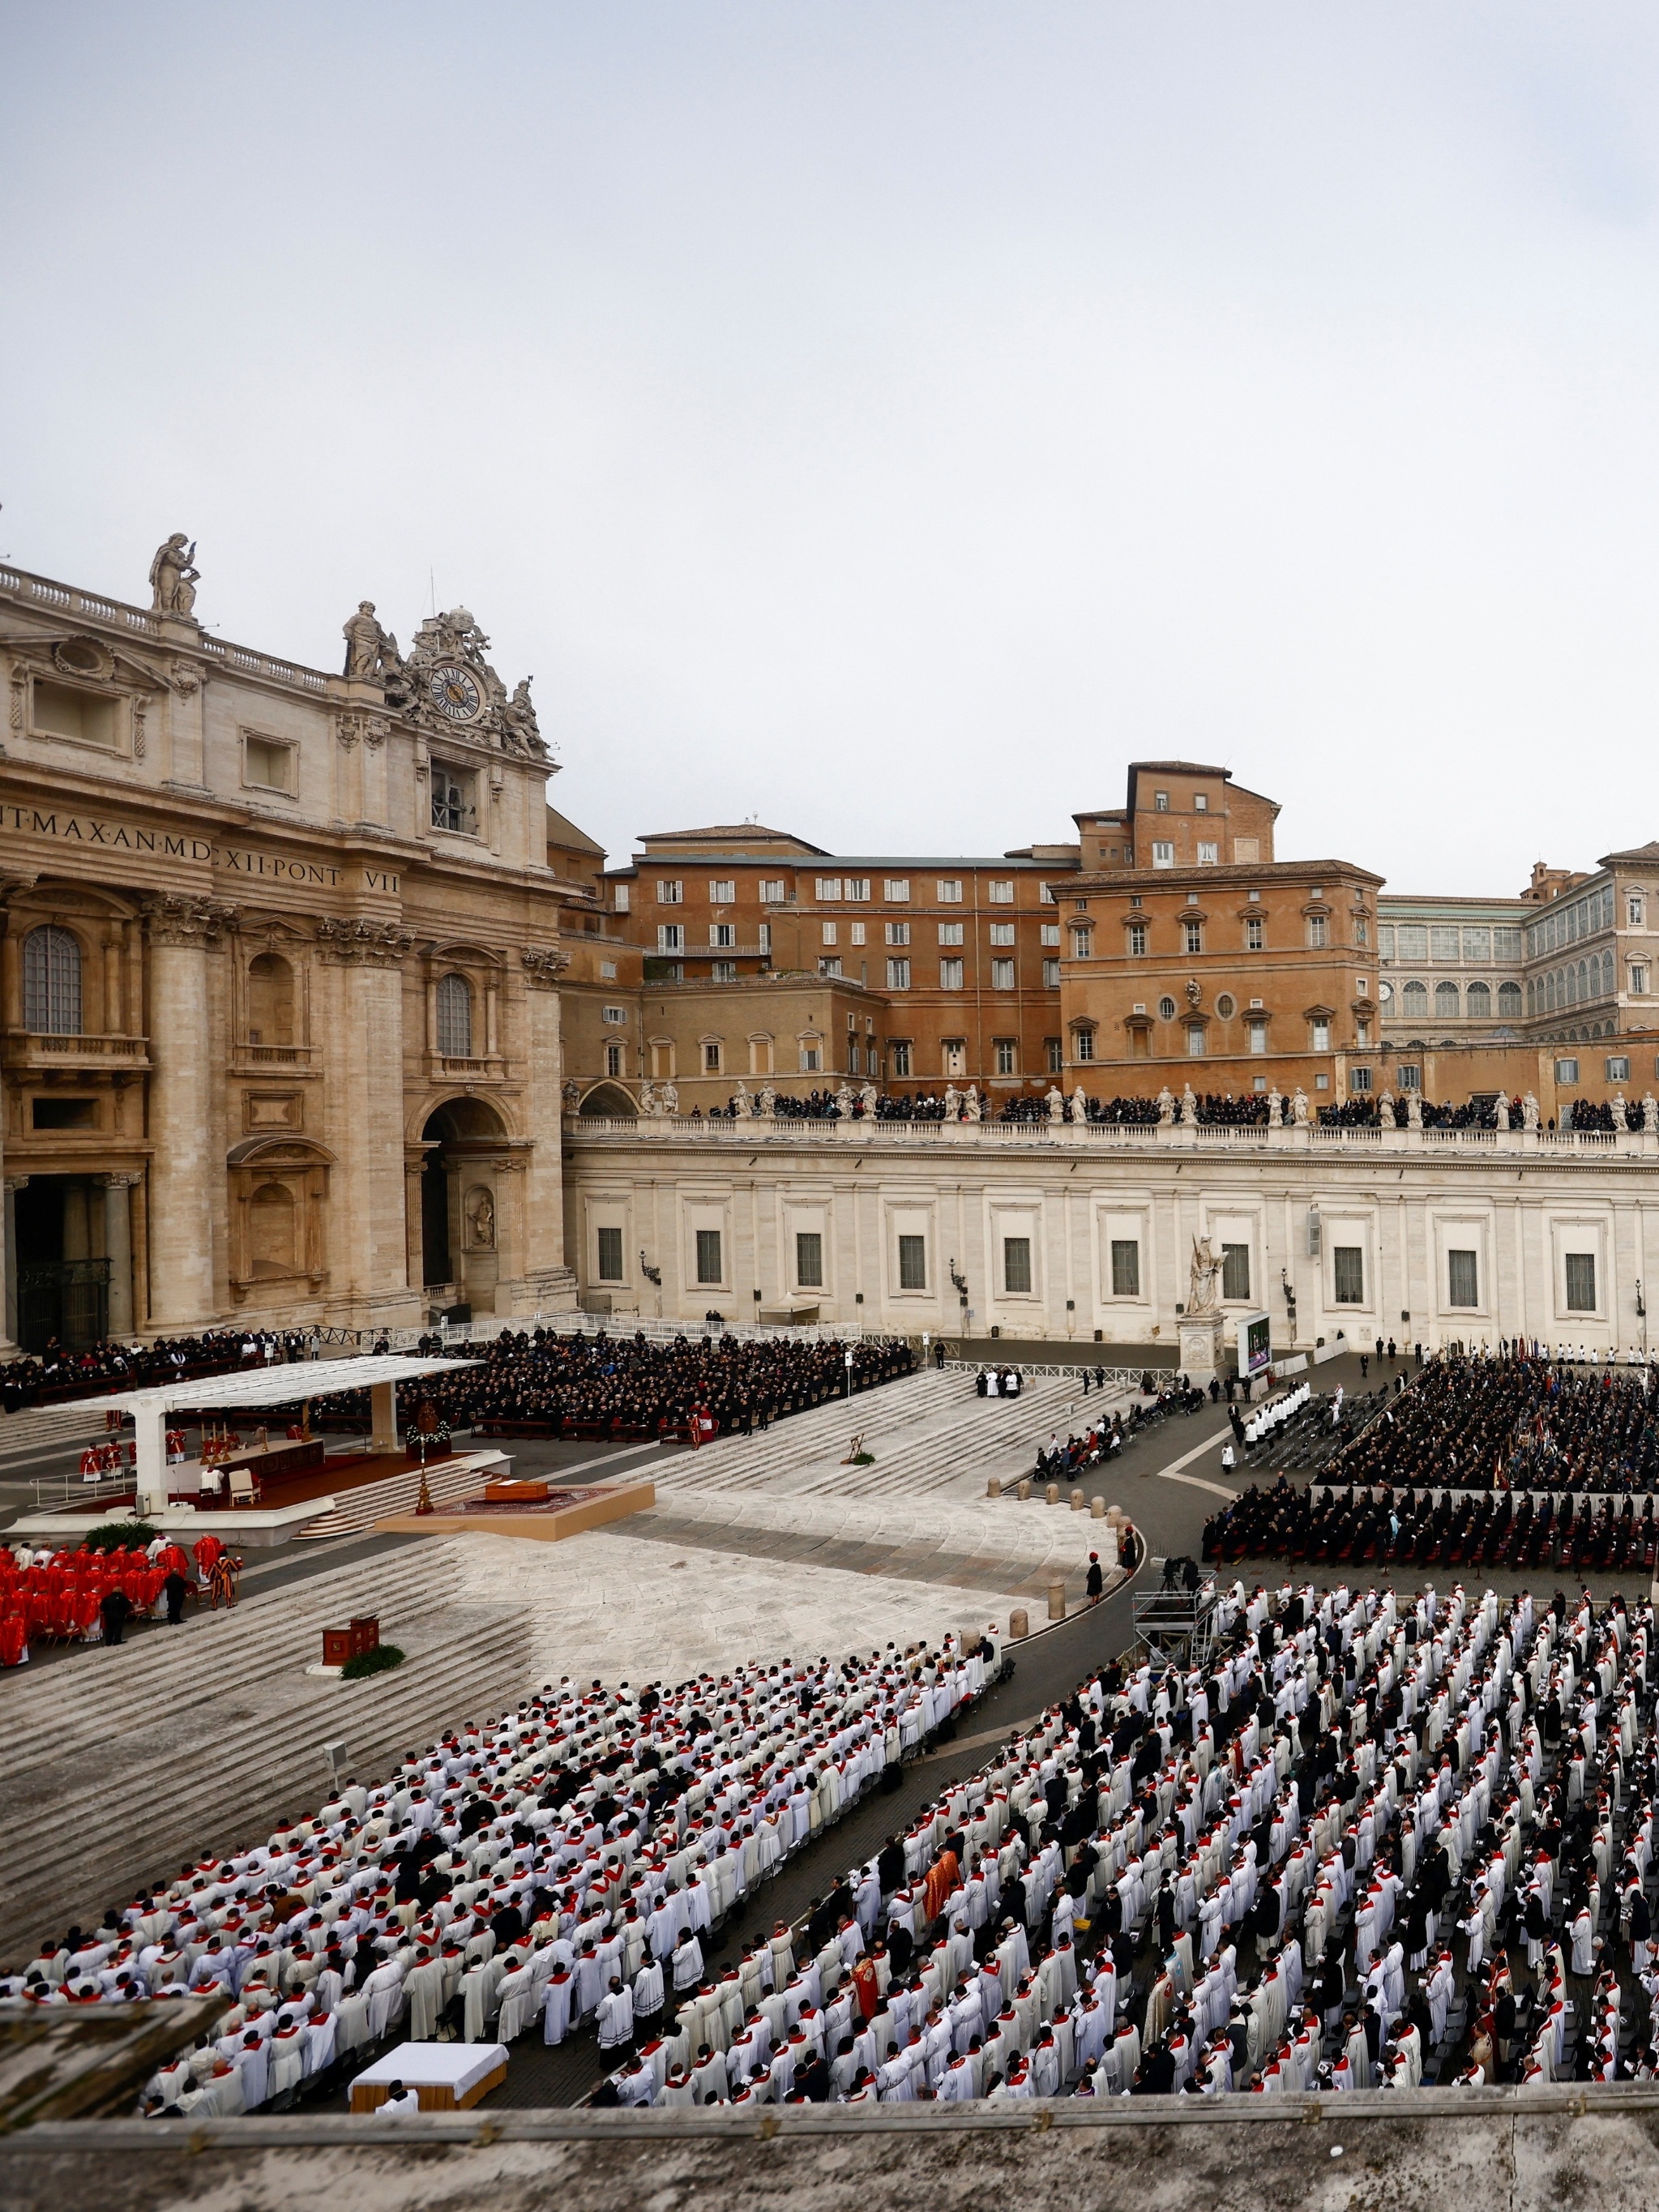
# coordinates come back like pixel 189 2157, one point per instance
pixel 1370 1840
pixel 541 1383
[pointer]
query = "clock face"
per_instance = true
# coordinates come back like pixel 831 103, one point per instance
pixel 455 693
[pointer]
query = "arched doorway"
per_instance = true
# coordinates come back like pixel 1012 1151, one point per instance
pixel 463 1143
pixel 610 1098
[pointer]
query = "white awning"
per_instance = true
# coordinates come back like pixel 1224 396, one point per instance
pixel 273 1385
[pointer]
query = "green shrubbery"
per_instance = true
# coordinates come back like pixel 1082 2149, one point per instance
pixel 379 1660
pixel 119 1536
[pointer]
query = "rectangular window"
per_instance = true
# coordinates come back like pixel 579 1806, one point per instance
pixel 901 1048
pixel 1385 940
pixel 1192 936
pixel 1054 1054
pixel 912 1263
pixel 1006 1055
pixel 670 894
pixel 1581 1282
pixel 1002 932
pixel 950 933
pixel 808 1060
pixel 1463 1279
pixel 1319 1036
pixel 1566 1071
pixel 722 890
pixel 950 890
pixel 1051 974
pixel 267 764
pixel 1137 936
pixel 711 1058
pixel 809 1260
pixel 607 971
pixel 1017 1265
pixel 858 887
pixel 1410 1078
pixel 723 971
pixel 999 894
pixel 1618 1067
pixel 1162 853
pixel 1200 802
pixel 1506 944
pixel 830 964
pixel 828 887
pixel 1208 852
pixel 896 891
pixel 613 1060
pixel 1477 946
pixel 1161 803
pixel 671 937
pixel 898 932
pixel 455 795
pixel 617 1014
pixel 1638 978
pixel 898 974
pixel 611 1259
pixel 1412 940
pixel 827 933
pixel 1234 1271
pixel 1359 1078
pixel 1046 895
pixel 1083 943
pixel 1126 1267
pixel 1445 944
pixel 708 1255
pixel 1002 974
pixel 1258 1036
pixel 722 935
pixel 60 711
pixel 1049 932
pixel 1084 1040
pixel 622 898
pixel 1319 932
pixel 949 974
pixel 1348 1268
pixel 772 890
pixel 855 933
pixel 1195 1040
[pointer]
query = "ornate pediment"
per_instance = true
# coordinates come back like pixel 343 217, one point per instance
pixel 446 686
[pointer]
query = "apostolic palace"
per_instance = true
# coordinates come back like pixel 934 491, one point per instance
pixel 317 1012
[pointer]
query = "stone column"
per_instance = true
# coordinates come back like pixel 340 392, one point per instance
pixel 368 1240
pixel 182 931
pixel 550 1284
pixel 8 1334
pixel 118 1244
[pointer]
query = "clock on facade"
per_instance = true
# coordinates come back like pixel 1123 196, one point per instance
pixel 455 693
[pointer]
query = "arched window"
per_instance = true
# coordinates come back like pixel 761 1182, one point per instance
pixel 1509 1002
pixel 1445 1002
pixel 1478 1002
pixel 1416 1000
pixel 51 982
pixel 455 1017
pixel 269 999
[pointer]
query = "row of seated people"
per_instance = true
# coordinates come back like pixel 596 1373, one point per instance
pixel 546 1385
pixel 91 1594
pixel 517 1849
pixel 1413 1528
pixel 55 1375
pixel 1518 1422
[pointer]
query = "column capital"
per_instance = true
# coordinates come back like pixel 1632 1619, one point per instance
pixel 176 919
pixel 16 1182
pixel 347 941
pixel 542 967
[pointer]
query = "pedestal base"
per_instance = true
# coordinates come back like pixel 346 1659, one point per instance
pixel 1203 1346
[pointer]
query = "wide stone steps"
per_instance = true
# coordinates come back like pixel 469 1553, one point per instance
pixel 805 1439
pixel 127 1772
pixel 40 1428
pixel 397 1493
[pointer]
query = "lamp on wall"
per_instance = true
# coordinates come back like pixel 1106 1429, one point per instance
pixel 960 1282
pixel 652 1274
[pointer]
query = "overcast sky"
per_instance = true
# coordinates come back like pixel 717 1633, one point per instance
pixel 887 420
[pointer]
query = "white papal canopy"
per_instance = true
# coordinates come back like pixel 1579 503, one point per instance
pixel 379 1373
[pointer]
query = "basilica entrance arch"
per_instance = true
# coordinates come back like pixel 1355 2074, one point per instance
pixel 466 1231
